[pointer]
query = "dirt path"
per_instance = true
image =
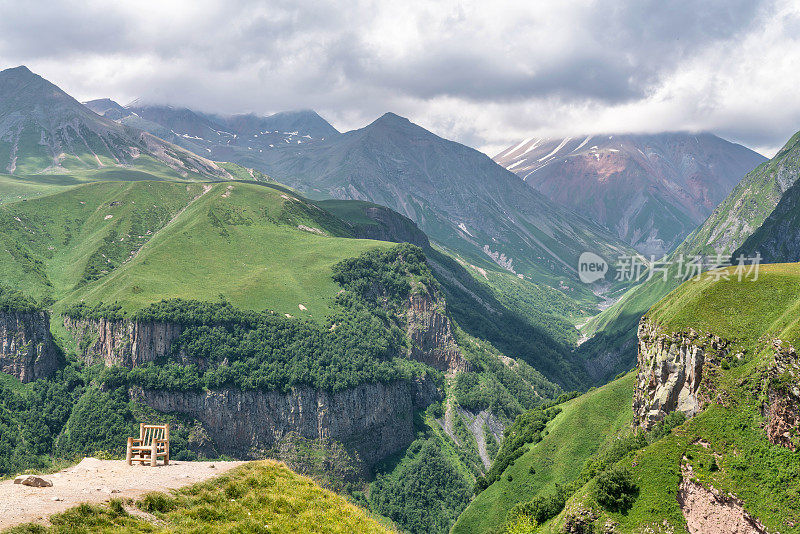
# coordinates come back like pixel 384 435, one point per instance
pixel 96 481
pixel 206 189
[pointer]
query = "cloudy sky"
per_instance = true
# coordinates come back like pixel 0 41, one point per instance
pixel 482 73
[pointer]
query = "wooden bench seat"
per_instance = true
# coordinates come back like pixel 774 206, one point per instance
pixel 152 443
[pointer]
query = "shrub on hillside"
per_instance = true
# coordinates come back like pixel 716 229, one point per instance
pixel 616 490
pixel 13 300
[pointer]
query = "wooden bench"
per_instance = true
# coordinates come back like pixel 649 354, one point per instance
pixel 153 441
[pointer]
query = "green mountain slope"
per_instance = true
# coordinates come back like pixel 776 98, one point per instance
pixel 747 207
pixel 747 386
pixel 533 322
pixel 776 240
pixel 734 459
pixel 586 425
pixel 118 241
pixel 258 246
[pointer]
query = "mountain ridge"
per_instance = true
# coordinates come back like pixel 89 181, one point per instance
pixel 450 190
pixel 728 227
pixel 651 190
pixel 44 130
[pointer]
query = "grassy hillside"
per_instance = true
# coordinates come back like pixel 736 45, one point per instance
pixel 257 497
pixel 117 241
pixel 585 426
pixel 259 247
pixel 725 446
pixel 742 311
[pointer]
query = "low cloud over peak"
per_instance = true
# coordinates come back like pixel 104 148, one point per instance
pixel 481 74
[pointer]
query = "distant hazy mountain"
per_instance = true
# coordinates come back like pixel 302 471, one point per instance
pixel 306 123
pixel 43 129
pixel 458 196
pixel 107 108
pixel 229 138
pixel 650 190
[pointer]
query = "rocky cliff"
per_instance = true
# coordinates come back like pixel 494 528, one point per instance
pixel 27 351
pixel 130 343
pixel 671 369
pixel 122 342
pixel 431 336
pixel 374 420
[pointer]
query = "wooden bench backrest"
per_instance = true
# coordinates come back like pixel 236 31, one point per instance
pixel 148 432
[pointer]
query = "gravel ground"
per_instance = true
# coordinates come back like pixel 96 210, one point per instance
pixel 97 481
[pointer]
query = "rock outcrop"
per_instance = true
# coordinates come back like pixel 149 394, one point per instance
pixel 431 336
pixel 28 351
pixel 374 419
pixel 671 369
pixel 782 413
pixel 122 342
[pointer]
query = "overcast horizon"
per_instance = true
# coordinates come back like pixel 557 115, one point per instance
pixel 483 76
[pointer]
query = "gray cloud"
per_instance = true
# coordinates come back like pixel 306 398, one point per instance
pixel 483 74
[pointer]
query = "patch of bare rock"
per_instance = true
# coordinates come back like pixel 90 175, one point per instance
pixel 710 512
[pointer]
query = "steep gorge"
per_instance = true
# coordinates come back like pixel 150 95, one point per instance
pixel 373 419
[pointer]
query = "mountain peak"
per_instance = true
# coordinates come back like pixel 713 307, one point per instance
pixel 392 122
pixel 22 70
pixel 16 76
pixel 21 88
pixel 390 118
pixel 107 108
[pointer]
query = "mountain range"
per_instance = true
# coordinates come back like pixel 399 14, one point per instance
pixel 458 196
pixel 44 130
pixel 220 137
pixel 396 316
pixel 736 222
pixel 649 190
